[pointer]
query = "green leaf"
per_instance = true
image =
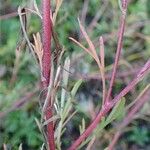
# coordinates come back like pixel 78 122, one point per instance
pixel 100 127
pixel 85 142
pixel 65 75
pixel 82 126
pixel 117 112
pixel 75 88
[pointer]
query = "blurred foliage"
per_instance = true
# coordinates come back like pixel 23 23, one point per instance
pixel 19 126
pixel 139 136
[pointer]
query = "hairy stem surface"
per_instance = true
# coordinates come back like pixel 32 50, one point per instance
pixel 46 65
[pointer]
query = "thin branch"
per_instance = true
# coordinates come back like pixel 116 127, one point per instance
pixel 102 59
pixel 96 76
pixel 119 47
pixel 15 14
pixel 108 106
pixel 140 101
pixel 84 11
pixel 10 15
pixel 18 103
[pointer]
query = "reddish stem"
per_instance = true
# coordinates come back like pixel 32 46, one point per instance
pixel 7 16
pixel 140 102
pixel 107 106
pixel 46 65
pixel 119 47
pixel 46 43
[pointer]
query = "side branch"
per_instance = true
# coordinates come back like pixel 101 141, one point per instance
pixel 119 47
pixel 107 106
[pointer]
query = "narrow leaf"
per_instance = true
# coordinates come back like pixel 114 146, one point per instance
pixel 37 9
pixel 52 119
pixel 117 111
pixel 75 88
pixel 102 53
pixel 91 45
pixel 80 45
pixel 65 76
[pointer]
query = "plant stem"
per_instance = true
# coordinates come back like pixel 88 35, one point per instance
pixel 46 65
pixel 46 62
pixel 119 47
pixel 107 106
pixel 140 101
